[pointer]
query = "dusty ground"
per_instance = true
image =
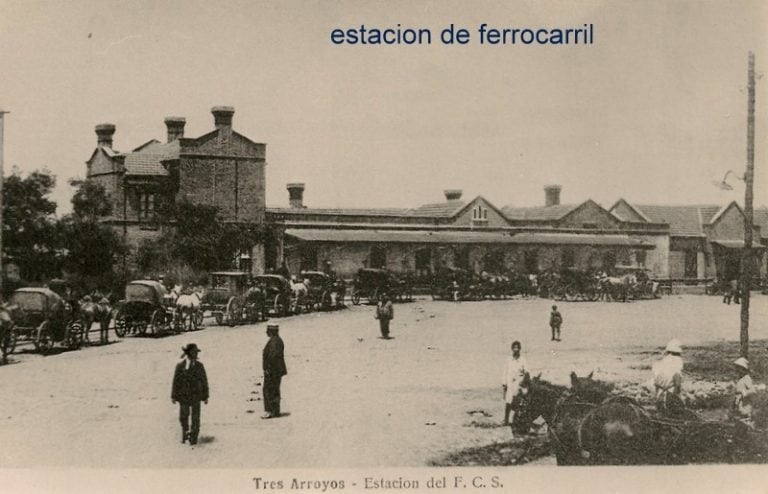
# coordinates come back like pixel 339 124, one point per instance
pixel 353 399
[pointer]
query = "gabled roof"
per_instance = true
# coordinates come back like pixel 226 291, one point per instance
pixel 684 220
pixel 108 152
pixel 538 213
pixel 630 206
pixel 445 209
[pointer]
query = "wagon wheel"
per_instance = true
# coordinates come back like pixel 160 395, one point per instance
pixel 590 294
pixel 157 323
pixel 356 297
pixel 198 318
pixel 234 312
pixel 43 340
pixel 277 305
pixel 120 324
pixel 9 341
pixel 571 293
pixel 75 331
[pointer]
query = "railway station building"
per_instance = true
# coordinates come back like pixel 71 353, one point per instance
pixel 475 235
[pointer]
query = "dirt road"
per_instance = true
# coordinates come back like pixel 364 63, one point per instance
pixel 353 400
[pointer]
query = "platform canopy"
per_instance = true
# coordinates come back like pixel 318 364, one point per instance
pixel 735 244
pixel 462 237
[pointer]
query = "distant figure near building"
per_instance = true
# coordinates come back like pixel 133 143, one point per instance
pixel 732 293
pixel 668 380
pixel 273 364
pixel 745 393
pixel 385 312
pixel 190 387
pixel 283 271
pixel 555 322
pixel 514 384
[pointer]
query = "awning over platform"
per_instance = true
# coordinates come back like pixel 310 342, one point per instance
pixel 463 237
pixel 735 244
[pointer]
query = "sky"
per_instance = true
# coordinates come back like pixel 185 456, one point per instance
pixel 654 111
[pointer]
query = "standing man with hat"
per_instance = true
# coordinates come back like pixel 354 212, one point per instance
pixel 273 364
pixel 190 387
pixel 385 312
pixel 668 379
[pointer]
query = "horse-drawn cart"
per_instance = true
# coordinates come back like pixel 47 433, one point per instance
pixel 373 283
pixel 41 316
pixel 324 291
pixel 146 308
pixel 454 284
pixel 232 300
pixel 278 294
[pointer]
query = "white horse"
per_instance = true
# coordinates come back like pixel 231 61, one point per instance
pixel 300 293
pixel 189 306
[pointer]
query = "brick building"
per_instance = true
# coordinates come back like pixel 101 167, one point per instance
pixel 221 168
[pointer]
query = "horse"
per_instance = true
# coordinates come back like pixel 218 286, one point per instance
pixel 300 294
pixel 616 287
pixel 256 304
pixel 90 312
pixel 189 306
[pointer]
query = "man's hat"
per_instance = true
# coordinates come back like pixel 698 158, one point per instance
pixel 273 327
pixel 742 362
pixel 189 348
pixel 674 346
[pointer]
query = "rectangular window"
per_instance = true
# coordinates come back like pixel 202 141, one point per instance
pixel 640 257
pixel 146 206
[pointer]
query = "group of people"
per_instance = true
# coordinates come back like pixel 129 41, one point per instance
pixel 190 384
pixel 667 382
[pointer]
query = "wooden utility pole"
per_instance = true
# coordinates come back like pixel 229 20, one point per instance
pixel 749 177
pixel 2 179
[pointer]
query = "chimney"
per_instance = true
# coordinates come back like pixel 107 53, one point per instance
pixel 175 126
pixel 552 195
pixel 296 195
pixel 222 117
pixel 104 133
pixel 452 194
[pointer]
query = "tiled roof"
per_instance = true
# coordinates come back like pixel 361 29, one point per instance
pixel 539 213
pixel 149 160
pixel 144 164
pixel 341 212
pixel 439 209
pixel 682 220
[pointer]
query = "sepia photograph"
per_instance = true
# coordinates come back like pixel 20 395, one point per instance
pixel 332 245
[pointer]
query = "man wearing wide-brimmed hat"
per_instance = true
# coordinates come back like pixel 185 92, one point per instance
pixel 668 379
pixel 190 387
pixel 273 364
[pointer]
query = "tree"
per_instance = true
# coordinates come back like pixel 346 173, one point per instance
pixel 30 235
pixel 92 247
pixel 201 240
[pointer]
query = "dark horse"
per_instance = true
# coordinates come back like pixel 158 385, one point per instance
pixel 588 426
pixel 100 312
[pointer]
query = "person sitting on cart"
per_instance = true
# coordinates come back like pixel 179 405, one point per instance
pixel 745 393
pixel 668 380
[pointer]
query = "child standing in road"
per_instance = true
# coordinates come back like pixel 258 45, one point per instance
pixel 555 321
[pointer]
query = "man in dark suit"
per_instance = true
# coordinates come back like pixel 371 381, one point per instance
pixel 190 387
pixel 273 363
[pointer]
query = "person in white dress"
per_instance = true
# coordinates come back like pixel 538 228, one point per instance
pixel 514 383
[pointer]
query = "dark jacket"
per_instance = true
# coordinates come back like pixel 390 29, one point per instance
pixel 273 358
pixel 555 319
pixel 190 385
